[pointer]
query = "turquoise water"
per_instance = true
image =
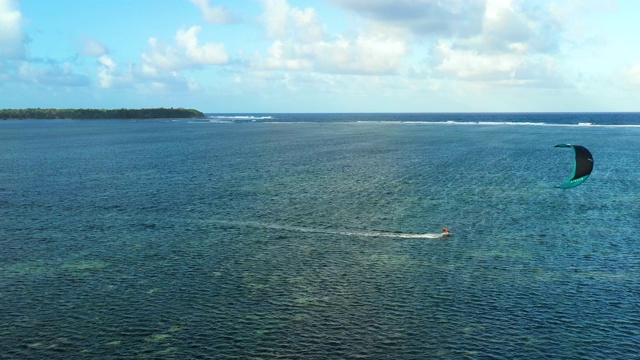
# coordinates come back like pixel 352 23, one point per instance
pixel 312 239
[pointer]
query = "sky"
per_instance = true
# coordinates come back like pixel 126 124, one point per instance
pixel 266 56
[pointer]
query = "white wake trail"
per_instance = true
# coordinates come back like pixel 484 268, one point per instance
pixel 329 231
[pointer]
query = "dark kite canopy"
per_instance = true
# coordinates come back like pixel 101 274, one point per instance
pixel 582 168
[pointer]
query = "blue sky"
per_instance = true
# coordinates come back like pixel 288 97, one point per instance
pixel 321 56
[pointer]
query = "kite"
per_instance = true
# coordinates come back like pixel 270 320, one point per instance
pixel 582 168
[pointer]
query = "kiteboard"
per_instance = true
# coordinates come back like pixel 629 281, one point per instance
pixel 447 234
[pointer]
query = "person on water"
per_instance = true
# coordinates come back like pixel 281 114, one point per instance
pixel 445 231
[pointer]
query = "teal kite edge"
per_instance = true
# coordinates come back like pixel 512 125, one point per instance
pixel 573 183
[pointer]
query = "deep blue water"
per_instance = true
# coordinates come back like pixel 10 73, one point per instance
pixel 315 236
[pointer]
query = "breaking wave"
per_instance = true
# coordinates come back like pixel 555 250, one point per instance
pixel 630 120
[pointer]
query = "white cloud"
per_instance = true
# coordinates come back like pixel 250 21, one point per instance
pixel 275 17
pixel 284 57
pixel 506 42
pixel 213 14
pixel 301 43
pixel 510 25
pixel 92 47
pixel 106 71
pixel 111 76
pixel 185 53
pixel 207 54
pixel 160 57
pixel 283 21
pixel 368 54
pixel 517 46
pixel 163 64
pixel 471 65
pixel 509 69
pixel 306 25
pixel 372 53
pixel 12 38
pixel 504 28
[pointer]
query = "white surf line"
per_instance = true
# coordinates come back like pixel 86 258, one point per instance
pixel 220 119
pixel 329 231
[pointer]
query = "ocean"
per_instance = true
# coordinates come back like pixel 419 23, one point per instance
pixel 317 236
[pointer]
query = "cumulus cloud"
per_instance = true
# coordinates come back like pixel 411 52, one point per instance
pixel 301 43
pixel 306 24
pixel 373 53
pixel 423 17
pixel 12 37
pixel 163 65
pixel 275 17
pixel 472 65
pixel 504 29
pixel 106 71
pixel 510 26
pixel 186 52
pixel 500 41
pixel 285 57
pixel 113 76
pixel 516 47
pixel 511 69
pixel 283 21
pixel 213 14
pixel 207 54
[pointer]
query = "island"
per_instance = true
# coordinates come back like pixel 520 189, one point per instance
pixel 99 114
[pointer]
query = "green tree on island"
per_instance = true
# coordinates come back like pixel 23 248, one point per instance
pixel 96 114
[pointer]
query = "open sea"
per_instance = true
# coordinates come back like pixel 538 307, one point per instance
pixel 317 236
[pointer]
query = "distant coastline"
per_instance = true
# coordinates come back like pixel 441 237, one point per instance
pixel 98 114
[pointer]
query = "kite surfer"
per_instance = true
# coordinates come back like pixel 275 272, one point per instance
pixel 445 231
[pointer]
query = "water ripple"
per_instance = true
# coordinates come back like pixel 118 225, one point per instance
pixel 314 241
